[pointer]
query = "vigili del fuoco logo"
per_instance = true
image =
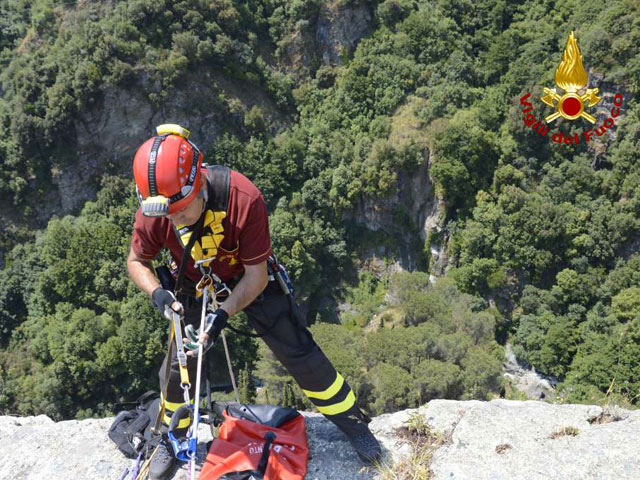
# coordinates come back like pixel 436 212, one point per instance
pixel 574 104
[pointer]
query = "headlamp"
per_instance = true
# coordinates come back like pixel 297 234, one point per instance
pixel 172 128
pixel 157 206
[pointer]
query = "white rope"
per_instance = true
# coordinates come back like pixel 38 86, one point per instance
pixel 196 406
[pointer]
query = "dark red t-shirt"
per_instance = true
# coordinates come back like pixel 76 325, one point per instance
pixel 246 233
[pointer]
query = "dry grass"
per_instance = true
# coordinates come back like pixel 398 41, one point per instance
pixel 423 442
pixel 565 431
pixel 502 448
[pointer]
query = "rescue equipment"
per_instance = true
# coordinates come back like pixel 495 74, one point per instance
pixel 185 449
pixel 258 442
pixel 130 429
pixel 205 248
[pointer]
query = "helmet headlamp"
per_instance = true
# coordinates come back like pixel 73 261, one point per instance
pixel 157 206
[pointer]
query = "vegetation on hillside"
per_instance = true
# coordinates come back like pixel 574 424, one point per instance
pixel 542 237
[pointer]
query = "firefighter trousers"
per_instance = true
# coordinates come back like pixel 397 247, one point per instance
pixel 277 316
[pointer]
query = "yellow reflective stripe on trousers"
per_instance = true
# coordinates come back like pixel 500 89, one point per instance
pixel 329 392
pixel 184 423
pixel 341 407
pixel 173 406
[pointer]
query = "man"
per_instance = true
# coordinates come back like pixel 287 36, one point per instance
pixel 176 195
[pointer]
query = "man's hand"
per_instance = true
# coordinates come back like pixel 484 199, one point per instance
pixel 163 299
pixel 214 323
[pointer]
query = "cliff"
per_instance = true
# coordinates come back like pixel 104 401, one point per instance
pixel 477 441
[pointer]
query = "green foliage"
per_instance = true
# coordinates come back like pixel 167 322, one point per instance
pixel 245 386
pixel 548 234
pixel 365 299
pixel 465 156
pixel 450 354
pixel 68 54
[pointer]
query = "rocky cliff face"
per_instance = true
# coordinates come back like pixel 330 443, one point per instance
pixel 334 35
pixel 497 440
pixel 108 134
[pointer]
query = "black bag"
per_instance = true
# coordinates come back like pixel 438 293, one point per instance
pixel 131 429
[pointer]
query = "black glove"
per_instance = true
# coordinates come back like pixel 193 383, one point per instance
pixel 161 299
pixel 214 323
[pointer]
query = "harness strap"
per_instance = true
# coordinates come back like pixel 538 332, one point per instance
pixel 187 252
pixel 182 357
pixel 164 382
pixel 218 187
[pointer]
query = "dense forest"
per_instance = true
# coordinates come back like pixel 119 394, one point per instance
pixel 542 238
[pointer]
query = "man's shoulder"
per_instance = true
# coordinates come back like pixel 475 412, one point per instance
pixel 243 186
pixel 240 184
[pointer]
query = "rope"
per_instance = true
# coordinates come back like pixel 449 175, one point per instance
pixel 196 407
pixel 233 378
pixel 144 471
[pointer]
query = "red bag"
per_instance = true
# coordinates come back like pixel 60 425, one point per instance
pixel 237 452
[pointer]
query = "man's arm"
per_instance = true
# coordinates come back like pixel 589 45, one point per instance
pixel 252 283
pixel 141 272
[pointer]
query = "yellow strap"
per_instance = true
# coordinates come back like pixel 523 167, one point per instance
pixel 163 394
pixel 184 375
pixel 341 407
pixel 184 423
pixel 173 406
pixel 329 392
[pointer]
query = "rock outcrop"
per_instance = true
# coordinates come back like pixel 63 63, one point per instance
pixel 108 134
pixel 510 440
pixel 526 380
pixel 327 40
pixel 497 440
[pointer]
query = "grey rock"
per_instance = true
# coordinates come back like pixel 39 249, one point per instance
pixel 329 38
pixel 497 440
pixel 414 195
pixel 509 440
pixel 534 385
pixel 107 134
pixel 37 447
pixel 340 28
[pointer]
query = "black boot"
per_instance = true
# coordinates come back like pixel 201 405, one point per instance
pixel 354 424
pixel 163 461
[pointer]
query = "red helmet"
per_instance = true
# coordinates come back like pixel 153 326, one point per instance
pixel 166 169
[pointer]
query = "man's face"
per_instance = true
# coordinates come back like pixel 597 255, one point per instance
pixel 189 214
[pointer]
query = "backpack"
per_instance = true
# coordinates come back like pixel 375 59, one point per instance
pixel 131 429
pixel 258 442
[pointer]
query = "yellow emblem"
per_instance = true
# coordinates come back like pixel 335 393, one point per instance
pixel 571 77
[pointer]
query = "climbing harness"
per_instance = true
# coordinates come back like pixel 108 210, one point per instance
pixel 186 449
pixel 176 331
pixel 206 248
